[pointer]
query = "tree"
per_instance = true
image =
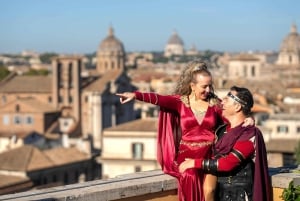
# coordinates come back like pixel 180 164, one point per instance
pixel 37 72
pixel 3 72
pixel 292 193
pixel 46 57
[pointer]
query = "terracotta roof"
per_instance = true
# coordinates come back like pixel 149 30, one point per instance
pixel 20 134
pixel 68 57
pixel 285 116
pixel 28 84
pixel 146 75
pixel 60 155
pixel 272 88
pixel 8 180
pixel 244 57
pixel 144 125
pixel 32 105
pixel 100 84
pixel 262 108
pixel 29 158
pixel 23 159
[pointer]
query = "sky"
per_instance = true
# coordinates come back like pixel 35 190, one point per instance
pixel 79 26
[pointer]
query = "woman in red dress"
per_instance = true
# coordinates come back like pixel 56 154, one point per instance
pixel 187 121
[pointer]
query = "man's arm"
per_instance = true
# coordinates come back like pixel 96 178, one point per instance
pixel 240 152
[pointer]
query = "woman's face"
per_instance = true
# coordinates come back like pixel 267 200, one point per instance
pixel 202 87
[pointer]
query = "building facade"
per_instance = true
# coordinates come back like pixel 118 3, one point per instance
pixel 129 148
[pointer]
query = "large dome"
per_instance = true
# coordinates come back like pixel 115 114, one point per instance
pixel 175 39
pixel 111 43
pixel 291 43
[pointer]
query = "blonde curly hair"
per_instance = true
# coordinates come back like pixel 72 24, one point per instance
pixel 188 75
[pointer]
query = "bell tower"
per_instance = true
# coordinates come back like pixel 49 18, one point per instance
pixel 66 85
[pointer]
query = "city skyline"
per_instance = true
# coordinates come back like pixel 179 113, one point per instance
pixel 79 26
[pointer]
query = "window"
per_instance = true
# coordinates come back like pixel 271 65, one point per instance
pixel 112 65
pixel 253 71
pixel 45 180
pixel 245 71
pixel 282 129
pixel 59 71
pixel 28 120
pixel 288 159
pixel 76 176
pixel 17 120
pixel 137 151
pixel 54 178
pixel 60 99
pixel 3 99
pixel 137 168
pixel 66 178
pixel 70 74
pixel 86 173
pixel 17 108
pixel 5 119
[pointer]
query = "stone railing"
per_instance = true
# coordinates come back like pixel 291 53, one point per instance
pixel 150 185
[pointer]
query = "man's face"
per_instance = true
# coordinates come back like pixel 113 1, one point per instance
pixel 229 104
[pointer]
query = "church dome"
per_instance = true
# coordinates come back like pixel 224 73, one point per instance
pixel 111 43
pixel 291 43
pixel 175 40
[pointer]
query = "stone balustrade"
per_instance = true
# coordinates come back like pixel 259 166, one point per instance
pixel 149 185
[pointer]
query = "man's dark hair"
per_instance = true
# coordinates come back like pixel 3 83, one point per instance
pixel 246 96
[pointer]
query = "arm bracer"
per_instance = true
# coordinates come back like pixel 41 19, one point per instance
pixel 240 152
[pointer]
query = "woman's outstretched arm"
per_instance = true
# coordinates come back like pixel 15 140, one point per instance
pixel 126 97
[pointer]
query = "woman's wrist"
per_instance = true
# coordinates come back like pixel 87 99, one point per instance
pixel 138 95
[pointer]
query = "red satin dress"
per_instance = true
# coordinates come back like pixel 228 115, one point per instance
pixel 181 136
